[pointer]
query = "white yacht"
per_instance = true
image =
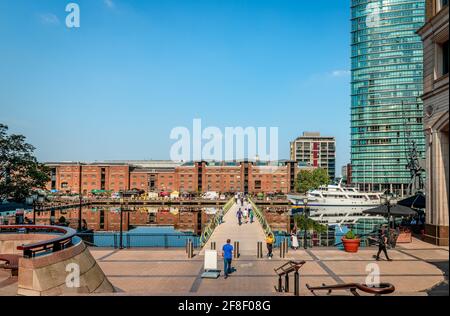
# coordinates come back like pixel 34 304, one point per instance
pixel 336 205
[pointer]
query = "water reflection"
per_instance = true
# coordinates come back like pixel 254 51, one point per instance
pixel 107 218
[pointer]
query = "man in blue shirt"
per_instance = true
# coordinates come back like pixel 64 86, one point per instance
pixel 227 254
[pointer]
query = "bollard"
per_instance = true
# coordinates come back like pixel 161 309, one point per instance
pixel 296 284
pixel 213 245
pixel 282 249
pixel 190 249
pixel 280 284
pixel 186 246
pixel 259 250
pixel 286 246
pixel 235 249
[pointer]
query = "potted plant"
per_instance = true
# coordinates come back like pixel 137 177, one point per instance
pixel 351 242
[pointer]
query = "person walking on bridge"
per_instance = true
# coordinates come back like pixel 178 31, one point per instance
pixel 239 216
pixel 227 254
pixel 269 242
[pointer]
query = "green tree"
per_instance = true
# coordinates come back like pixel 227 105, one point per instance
pixel 20 172
pixel 306 223
pixel 311 179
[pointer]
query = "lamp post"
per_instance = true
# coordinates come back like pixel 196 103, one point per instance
pixel 387 200
pixel 305 212
pixel 38 205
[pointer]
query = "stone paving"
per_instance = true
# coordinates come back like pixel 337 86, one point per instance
pixel 417 269
pixel 169 272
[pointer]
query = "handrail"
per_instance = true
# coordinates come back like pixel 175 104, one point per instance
pixel 54 244
pixel 261 218
pixel 209 229
pixel 289 267
pixel 380 289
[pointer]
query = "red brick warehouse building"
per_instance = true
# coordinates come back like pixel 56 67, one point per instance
pixel 157 176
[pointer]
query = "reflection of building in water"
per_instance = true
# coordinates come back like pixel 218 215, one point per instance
pixel 278 218
pixel 108 218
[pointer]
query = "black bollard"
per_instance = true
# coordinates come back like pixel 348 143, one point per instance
pixel 296 284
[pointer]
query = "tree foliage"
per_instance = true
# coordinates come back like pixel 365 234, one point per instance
pixel 305 223
pixel 311 179
pixel 20 172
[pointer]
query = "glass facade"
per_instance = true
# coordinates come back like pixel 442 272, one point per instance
pixel 387 76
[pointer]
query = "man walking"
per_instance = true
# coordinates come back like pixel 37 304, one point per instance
pixel 382 242
pixel 269 242
pixel 239 216
pixel 227 254
pixel 250 213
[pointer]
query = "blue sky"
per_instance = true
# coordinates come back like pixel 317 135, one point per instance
pixel 115 87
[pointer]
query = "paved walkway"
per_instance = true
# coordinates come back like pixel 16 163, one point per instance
pixel 169 272
pixel 247 234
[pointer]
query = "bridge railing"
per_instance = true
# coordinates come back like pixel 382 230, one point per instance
pixel 214 222
pixel 261 218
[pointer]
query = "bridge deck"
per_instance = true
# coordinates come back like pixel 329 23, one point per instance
pixel 247 234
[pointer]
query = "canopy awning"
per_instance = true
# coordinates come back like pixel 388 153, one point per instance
pixel 416 201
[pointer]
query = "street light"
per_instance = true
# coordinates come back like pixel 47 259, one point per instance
pixel 387 199
pixel 38 205
pixel 305 211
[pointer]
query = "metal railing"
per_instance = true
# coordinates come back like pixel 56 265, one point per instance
pixel 133 240
pixel 261 218
pixel 214 222
pixel 42 247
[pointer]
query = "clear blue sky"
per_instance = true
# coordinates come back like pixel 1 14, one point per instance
pixel 115 87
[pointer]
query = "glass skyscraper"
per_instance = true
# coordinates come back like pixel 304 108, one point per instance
pixel 387 76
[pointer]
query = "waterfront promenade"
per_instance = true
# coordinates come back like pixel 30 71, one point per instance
pixel 418 267
pixel 248 234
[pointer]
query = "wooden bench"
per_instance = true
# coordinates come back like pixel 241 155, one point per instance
pixel 11 263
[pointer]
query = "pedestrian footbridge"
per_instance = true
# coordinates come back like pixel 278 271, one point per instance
pixel 248 234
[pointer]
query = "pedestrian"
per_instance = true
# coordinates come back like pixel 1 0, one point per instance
pixel 382 242
pixel 239 216
pixel 250 214
pixel 220 216
pixel 294 240
pixel 227 254
pixel 245 215
pixel 269 243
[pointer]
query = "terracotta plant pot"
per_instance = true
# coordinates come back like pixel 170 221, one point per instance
pixel 351 245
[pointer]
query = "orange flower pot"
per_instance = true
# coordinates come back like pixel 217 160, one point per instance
pixel 351 245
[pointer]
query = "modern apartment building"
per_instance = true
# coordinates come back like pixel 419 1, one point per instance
pixel 314 150
pixel 436 119
pixel 168 176
pixel 387 82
